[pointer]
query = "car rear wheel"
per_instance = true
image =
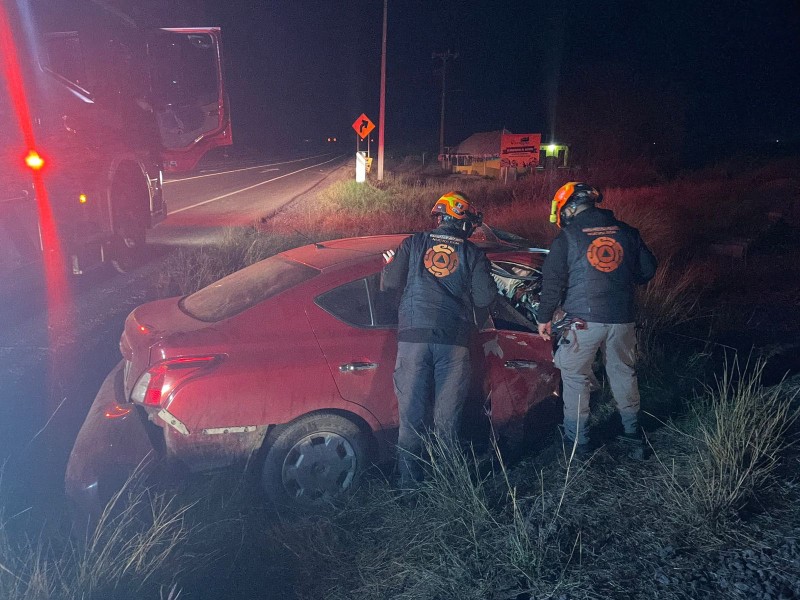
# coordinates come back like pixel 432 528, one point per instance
pixel 314 460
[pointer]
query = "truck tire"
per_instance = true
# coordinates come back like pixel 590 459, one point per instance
pixel 129 201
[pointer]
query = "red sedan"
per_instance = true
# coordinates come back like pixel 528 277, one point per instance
pixel 289 361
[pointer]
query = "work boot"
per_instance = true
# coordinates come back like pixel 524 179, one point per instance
pixel 636 447
pixel 583 452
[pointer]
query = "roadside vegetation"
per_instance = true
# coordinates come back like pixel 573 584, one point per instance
pixel 714 513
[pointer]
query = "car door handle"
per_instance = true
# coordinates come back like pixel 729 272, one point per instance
pixel 357 366
pixel 520 364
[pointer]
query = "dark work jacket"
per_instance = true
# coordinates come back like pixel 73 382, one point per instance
pixel 593 267
pixel 443 277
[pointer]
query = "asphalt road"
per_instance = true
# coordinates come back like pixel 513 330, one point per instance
pixel 239 195
pixel 51 365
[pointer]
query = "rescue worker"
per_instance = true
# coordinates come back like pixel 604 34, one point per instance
pixel 443 277
pixel 592 270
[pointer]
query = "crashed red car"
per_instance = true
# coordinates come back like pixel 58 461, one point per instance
pixel 290 361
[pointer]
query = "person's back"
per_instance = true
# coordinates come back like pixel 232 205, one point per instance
pixel 592 269
pixel 439 296
pixel 604 262
pixel 443 277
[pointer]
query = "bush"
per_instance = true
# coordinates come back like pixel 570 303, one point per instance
pixel 739 433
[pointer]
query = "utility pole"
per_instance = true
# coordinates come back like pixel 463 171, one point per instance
pixel 382 116
pixel 444 56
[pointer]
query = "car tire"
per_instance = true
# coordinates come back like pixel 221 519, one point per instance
pixel 314 460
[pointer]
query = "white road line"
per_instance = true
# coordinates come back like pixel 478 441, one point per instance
pixel 268 170
pixel 286 162
pixel 250 187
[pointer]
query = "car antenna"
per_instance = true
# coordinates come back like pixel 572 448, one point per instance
pixel 317 245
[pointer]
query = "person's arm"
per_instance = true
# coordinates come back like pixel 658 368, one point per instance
pixel 395 273
pixel 484 289
pixel 555 273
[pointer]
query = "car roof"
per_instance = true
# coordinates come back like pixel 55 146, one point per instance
pixel 323 255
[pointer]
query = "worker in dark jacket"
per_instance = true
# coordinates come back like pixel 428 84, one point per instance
pixel 592 270
pixel 443 277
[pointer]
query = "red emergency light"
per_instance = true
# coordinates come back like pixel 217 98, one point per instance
pixel 34 161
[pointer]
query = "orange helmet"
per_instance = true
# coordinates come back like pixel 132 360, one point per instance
pixel 455 206
pixel 572 195
pixel 452 204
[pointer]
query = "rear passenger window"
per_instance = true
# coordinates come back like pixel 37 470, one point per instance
pixel 384 303
pixel 362 303
pixel 348 303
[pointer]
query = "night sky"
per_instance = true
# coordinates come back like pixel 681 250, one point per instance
pixel 705 77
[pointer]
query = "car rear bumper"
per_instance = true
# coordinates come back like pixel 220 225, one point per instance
pixel 111 445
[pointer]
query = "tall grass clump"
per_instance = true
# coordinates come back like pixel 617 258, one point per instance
pixel 462 533
pixel 357 198
pixel 669 300
pixel 133 551
pixel 739 432
pixel 191 268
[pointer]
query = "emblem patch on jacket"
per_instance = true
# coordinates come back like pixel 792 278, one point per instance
pixel 441 260
pixel 605 254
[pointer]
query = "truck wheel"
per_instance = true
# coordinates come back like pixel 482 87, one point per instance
pixel 128 244
pixel 314 460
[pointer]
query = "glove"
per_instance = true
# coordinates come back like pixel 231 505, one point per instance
pixel 388 256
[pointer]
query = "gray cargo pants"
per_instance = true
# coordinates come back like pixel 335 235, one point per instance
pixel 618 343
pixel 425 372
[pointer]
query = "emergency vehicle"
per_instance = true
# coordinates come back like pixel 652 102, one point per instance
pixel 94 107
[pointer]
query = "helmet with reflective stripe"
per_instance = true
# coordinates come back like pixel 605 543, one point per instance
pixel 452 204
pixel 570 196
pixel 456 207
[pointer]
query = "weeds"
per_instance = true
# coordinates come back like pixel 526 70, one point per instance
pixel 739 433
pixel 137 541
pixel 463 533
pixel 190 269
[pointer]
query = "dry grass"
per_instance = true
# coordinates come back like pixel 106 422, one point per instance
pixel 738 435
pixel 550 527
pixel 134 549
pixel 465 532
pixel 190 269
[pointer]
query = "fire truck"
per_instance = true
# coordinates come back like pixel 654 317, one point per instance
pixel 95 107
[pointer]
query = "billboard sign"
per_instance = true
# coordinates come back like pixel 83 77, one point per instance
pixel 520 149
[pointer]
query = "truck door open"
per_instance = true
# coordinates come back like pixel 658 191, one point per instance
pixel 188 93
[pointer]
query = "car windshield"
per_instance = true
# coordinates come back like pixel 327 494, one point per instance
pixel 243 289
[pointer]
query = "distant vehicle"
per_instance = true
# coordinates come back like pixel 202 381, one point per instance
pixel 93 108
pixel 288 363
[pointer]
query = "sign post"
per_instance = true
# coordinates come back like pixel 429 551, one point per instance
pixel 363 126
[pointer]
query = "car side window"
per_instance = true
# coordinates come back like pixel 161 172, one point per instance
pixel 348 303
pixel 384 302
pixel 64 57
pixel 362 303
pixel 506 317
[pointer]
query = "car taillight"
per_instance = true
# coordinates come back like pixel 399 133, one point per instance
pixel 157 384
